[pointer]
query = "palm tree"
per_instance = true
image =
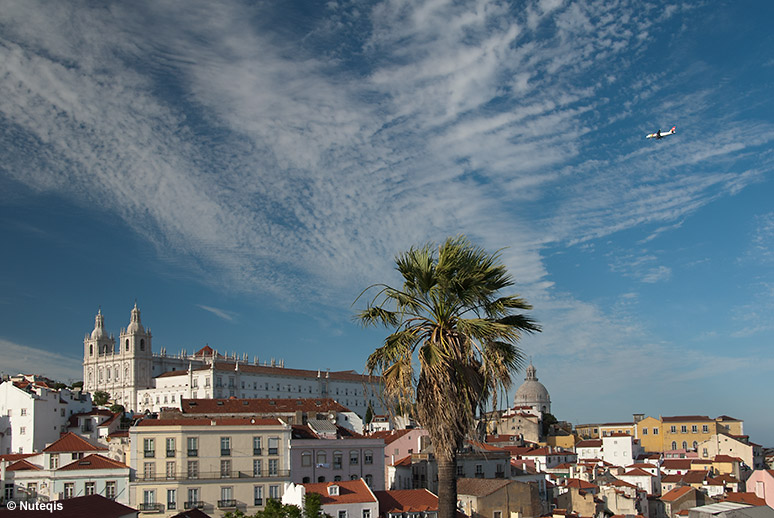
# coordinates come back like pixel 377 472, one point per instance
pixel 449 317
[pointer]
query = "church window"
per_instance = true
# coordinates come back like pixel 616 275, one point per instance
pixel 142 344
pixel 127 345
pixel 108 373
pixel 91 349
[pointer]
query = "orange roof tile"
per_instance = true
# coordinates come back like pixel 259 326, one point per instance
pixel 22 465
pixel 260 406
pixel 71 442
pixel 406 501
pixel 350 492
pixel 745 498
pixel 93 461
pixel 676 493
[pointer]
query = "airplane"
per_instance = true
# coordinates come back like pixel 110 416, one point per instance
pixel 658 135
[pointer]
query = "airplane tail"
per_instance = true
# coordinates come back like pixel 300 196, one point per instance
pixel 673 129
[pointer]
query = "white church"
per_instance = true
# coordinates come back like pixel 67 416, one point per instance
pixel 142 381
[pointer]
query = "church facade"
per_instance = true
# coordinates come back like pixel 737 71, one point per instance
pixel 142 380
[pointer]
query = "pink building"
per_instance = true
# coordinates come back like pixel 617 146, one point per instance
pixel 397 445
pixel 761 482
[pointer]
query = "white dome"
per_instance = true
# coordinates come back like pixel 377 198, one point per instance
pixel 532 393
pixel 99 327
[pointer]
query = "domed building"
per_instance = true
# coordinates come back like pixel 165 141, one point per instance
pixel 532 393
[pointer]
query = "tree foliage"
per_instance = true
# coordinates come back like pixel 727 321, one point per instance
pixel 451 321
pixel 100 397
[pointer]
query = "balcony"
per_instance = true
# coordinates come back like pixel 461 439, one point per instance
pixel 193 453
pixel 195 504
pixel 213 475
pixel 170 453
pixel 151 508
pixel 149 454
pixel 226 504
pixel 256 451
pixel 225 452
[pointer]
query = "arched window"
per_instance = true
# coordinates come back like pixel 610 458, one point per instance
pixel 674 445
pixel 685 445
pixel 695 445
pixel 118 373
pixel 107 373
pixel 142 344
pixel 306 458
pixel 369 480
pixel 126 374
pixel 127 344
pixel 99 376
pixel 305 480
pixel 320 479
pixel 91 377
pixel 91 349
pixel 322 458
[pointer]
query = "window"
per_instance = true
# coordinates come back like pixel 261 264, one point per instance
pixel 644 432
pixel 22 430
pixel 256 445
pixel 684 429
pixel 193 498
pixel 170 447
pixel 479 471
pixel 322 459
pixel 460 470
pixel 32 489
pixel 354 457
pixel 225 446
pixel 705 428
pixel 256 467
pixel 227 497
pixel 171 469
pixel 171 498
pixel 53 461
pixel 306 459
pixel 337 478
pixel 225 468
pixel 69 489
pixel 274 446
pixel 149 447
pixel 695 445
pixel 89 488
pixel 337 456
pixel 704 452
pixel 149 497
pixel 369 480
pixel 694 428
pixel 273 467
pixel 685 445
pixel 673 429
pixel 674 445
pixel 655 431
pixel 274 492
pixel 366 513
pixel 193 446
pixel 23 412
pixel 110 489
pixel 193 469
pixel 257 495
pixel 343 513
pixel 368 457
pixel 497 514
pixel 149 470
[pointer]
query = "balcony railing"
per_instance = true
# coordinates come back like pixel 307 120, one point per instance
pixel 256 451
pixel 170 453
pixel 225 504
pixel 151 508
pixel 193 453
pixel 194 504
pixel 225 452
pixel 149 454
pixel 212 475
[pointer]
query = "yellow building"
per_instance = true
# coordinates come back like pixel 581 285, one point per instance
pixel 648 431
pixel 681 432
pixel 217 465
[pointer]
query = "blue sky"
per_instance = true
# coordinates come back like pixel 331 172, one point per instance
pixel 243 172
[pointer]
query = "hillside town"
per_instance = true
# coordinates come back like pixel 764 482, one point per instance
pixel 210 433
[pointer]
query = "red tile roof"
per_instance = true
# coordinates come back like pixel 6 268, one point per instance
pixel 350 492
pixel 13 457
pixel 93 461
pixel 589 443
pixel 259 406
pixel 580 484
pixel 745 498
pixel 71 442
pixel 406 501
pixel 685 418
pixel 22 465
pixel 726 458
pixel 676 493
pixel 391 436
pixel 405 461
pixel 203 421
pixel 637 472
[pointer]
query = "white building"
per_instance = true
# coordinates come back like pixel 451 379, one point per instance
pixel 345 499
pixel 142 381
pixel 620 449
pixel 32 414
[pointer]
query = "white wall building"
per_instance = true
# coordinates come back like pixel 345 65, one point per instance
pixel 33 415
pixel 620 449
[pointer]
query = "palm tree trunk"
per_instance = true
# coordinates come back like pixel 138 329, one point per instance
pixel 447 487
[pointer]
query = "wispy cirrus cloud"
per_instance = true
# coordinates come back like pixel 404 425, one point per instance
pixel 220 313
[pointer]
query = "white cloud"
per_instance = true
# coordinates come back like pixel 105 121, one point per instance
pixel 23 359
pixel 220 313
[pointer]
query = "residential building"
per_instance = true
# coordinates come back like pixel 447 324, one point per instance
pixel 399 444
pixel 682 498
pixel 620 449
pixel 321 452
pixel 33 414
pixel 498 498
pixel 761 482
pixel 681 432
pixel 345 499
pixel 589 449
pixel 751 454
pixel 213 464
pixel 78 507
